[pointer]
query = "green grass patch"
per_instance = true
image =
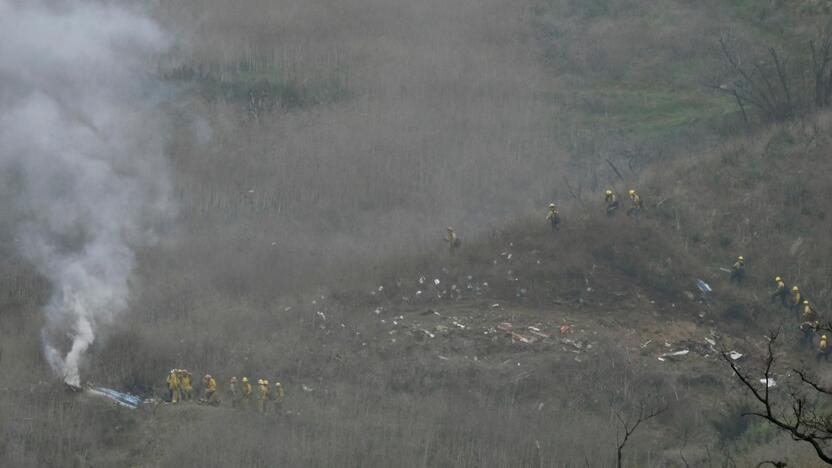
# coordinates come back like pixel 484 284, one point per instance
pixel 649 111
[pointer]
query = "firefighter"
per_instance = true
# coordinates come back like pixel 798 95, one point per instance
pixel 553 217
pixel 173 387
pixel 808 324
pixel 823 349
pixel 636 204
pixel 612 202
pixel 245 393
pixel 209 387
pixel 187 389
pixel 234 391
pixel 262 395
pixel 795 301
pixel 279 394
pixel 453 240
pixel 738 270
pixel 780 291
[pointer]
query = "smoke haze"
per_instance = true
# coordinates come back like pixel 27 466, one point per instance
pixel 82 154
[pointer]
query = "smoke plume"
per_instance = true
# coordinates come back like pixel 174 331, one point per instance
pixel 81 153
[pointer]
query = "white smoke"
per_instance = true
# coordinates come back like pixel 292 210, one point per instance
pixel 81 134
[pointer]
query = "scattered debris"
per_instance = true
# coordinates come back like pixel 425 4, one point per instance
pixel 734 355
pixel 673 355
pixel 123 399
pixel 646 343
pixel 443 358
pixel 771 382
pixel 703 286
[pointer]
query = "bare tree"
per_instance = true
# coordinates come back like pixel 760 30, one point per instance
pixel 764 84
pixel 801 420
pixel 821 60
pixel 629 429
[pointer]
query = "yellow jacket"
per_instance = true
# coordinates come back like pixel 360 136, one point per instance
pixel 246 389
pixel 173 380
pixel 823 344
pixel 185 381
pixel 210 384
pixel 636 200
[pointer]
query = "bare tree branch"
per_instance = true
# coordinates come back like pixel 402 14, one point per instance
pixel 803 424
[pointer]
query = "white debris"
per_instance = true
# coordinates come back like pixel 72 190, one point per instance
pixel 494 306
pixel 321 315
pixel 436 281
pixel 734 355
pixel 380 288
pixel 673 355
pixel 442 357
pixel 771 382
pixel 710 341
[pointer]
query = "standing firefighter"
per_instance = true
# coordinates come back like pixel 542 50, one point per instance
pixel 738 270
pixel 173 387
pixel 636 204
pixel 278 395
pixel 209 388
pixel 611 201
pixel 823 349
pixel 262 395
pixel 246 393
pixel 553 217
pixel 795 300
pixel 234 391
pixel 808 324
pixel 187 389
pixel 453 240
pixel 780 291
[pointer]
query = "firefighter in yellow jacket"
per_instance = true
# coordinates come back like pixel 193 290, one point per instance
pixel 209 388
pixel 823 349
pixel 636 205
pixel 795 301
pixel 187 389
pixel 611 201
pixel 808 323
pixel 173 387
pixel 279 394
pixel 553 217
pixel 738 270
pixel 262 395
pixel 245 393
pixel 453 240
pixel 780 291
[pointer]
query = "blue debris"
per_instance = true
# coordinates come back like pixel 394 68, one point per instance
pixel 703 286
pixel 124 399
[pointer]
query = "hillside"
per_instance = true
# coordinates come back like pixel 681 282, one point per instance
pixel 318 150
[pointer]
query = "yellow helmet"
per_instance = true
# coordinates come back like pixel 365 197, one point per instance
pixel 551 205
pixel 795 289
pixel 806 302
pixel 265 381
pixel 632 192
pixel 823 337
pixel 778 279
pixel 245 379
pixel 740 258
pixel 277 384
pixel 608 192
pixel 450 228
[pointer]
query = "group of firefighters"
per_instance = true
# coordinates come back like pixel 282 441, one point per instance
pixel 611 203
pixel 240 392
pixel 553 217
